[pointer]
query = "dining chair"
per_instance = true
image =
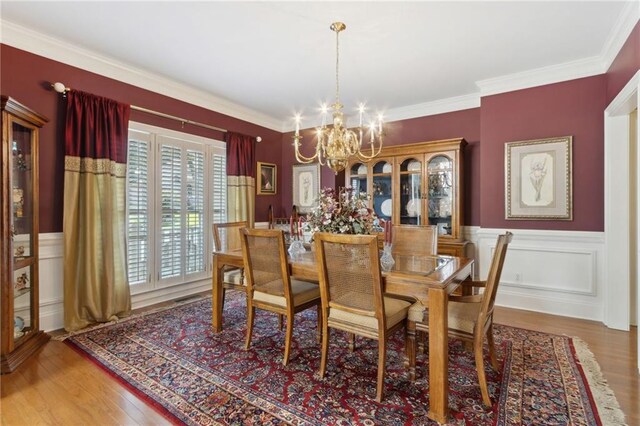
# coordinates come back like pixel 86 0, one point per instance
pixel 352 295
pixel 269 285
pixel 470 317
pixel 226 236
pixel 421 240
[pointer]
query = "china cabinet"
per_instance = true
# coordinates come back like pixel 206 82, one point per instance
pixel 19 320
pixel 417 184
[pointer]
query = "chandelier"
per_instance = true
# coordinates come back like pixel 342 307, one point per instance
pixel 336 143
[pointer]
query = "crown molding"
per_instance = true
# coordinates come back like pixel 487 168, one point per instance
pixel 627 20
pixel 541 76
pixel 581 68
pixel 440 106
pixel 67 53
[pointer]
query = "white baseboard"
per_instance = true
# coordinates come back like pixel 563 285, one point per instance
pixel 555 272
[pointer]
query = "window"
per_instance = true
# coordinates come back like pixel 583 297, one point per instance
pixel 176 187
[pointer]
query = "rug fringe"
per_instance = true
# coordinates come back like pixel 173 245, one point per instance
pixel 604 398
pixel 63 337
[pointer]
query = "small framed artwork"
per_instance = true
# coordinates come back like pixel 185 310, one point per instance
pixel 306 186
pixel 539 179
pixel 267 175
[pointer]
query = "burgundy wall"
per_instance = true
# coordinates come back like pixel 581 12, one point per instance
pixel 625 65
pixel 569 108
pixel 574 108
pixel 464 124
pixel 26 77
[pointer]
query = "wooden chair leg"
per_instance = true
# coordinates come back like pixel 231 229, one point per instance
pixel 319 332
pixel 421 337
pixel 352 341
pixel 482 379
pixel 382 362
pixel 250 313
pixel 325 348
pixel 288 337
pixel 280 322
pixel 492 348
pixel 411 350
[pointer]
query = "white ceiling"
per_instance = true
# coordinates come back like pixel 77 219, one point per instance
pixel 279 57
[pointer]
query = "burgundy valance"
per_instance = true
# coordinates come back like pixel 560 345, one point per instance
pixel 96 127
pixel 240 154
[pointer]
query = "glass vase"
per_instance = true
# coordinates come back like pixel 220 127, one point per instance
pixel 386 260
pixel 296 249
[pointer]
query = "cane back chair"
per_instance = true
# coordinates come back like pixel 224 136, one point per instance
pixel 421 240
pixel 352 295
pixel 470 317
pixel 226 236
pixel 269 285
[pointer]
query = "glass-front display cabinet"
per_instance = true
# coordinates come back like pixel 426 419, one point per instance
pixel 21 335
pixel 417 184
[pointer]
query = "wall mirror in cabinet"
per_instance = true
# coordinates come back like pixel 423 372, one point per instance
pixel 19 314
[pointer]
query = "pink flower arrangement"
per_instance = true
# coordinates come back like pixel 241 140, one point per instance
pixel 344 213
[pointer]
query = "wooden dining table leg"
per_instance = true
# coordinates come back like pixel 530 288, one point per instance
pixel 216 296
pixel 438 355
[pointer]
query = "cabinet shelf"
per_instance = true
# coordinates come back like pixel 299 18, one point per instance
pixel 23 262
pixel 18 293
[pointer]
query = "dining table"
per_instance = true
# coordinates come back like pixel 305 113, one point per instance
pixel 427 279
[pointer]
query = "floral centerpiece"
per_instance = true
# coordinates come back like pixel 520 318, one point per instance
pixel 344 213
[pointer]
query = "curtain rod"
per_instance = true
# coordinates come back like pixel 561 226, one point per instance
pixel 61 88
pixel 173 117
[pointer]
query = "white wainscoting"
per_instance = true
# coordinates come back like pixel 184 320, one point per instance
pixel 556 272
pixel 51 281
pixel 52 287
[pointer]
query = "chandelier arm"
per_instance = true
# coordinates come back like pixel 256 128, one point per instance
pixel 362 156
pixel 299 156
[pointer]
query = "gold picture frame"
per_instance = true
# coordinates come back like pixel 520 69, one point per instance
pixel 267 179
pixel 539 179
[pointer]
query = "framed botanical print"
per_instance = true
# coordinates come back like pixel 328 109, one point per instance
pixel 267 179
pixel 538 179
pixel 306 186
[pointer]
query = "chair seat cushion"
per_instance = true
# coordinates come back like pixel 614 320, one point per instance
pixel 234 276
pixel 303 292
pixel 462 316
pixel 395 310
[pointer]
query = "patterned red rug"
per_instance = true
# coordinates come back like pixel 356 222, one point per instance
pixel 172 360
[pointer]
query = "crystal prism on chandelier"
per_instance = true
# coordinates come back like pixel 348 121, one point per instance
pixel 336 143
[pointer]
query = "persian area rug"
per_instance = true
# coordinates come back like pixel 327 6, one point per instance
pixel 172 360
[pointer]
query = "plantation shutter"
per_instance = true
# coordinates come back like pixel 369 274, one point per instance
pixel 138 212
pixel 219 187
pixel 171 221
pixel 175 182
pixel 196 214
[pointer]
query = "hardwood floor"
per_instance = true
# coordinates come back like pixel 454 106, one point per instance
pixel 58 386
